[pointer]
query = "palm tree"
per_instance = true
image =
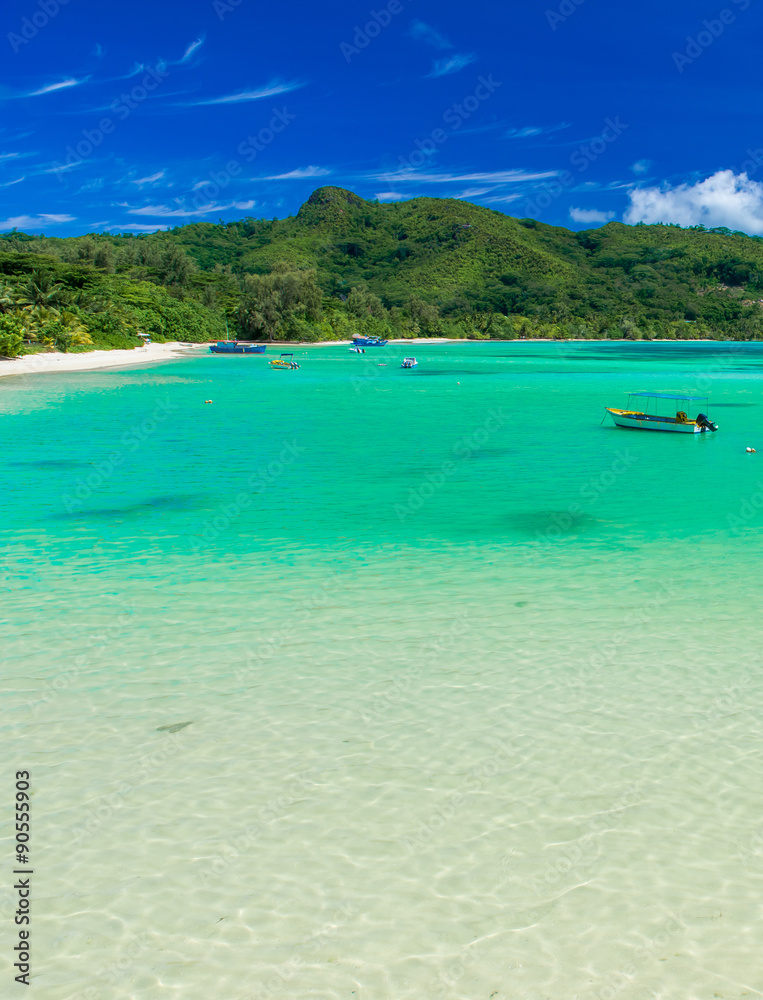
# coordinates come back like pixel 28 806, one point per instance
pixel 38 320
pixel 7 300
pixel 41 290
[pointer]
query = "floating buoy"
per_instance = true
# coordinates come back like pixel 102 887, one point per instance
pixel 750 451
pixel 207 400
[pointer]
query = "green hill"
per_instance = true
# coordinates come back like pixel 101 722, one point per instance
pixel 429 267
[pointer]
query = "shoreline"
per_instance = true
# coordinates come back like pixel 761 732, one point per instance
pixel 43 364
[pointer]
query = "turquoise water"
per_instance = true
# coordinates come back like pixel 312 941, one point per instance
pixel 473 681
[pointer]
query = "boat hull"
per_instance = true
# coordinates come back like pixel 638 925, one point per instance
pixel 368 342
pixel 648 422
pixel 231 348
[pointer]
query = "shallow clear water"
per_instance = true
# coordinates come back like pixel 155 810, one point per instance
pixel 473 682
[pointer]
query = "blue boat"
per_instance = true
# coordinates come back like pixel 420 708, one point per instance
pixel 368 342
pixel 237 347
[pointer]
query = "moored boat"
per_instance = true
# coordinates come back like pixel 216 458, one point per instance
pixel 368 341
pixel 642 420
pixel 237 347
pixel 409 363
pixel 357 350
pixel 285 361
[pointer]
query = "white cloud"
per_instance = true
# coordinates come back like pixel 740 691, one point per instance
pixel 473 192
pixel 423 32
pixel 641 166
pixel 253 95
pixel 453 64
pixel 590 215
pixel 141 227
pixel 149 180
pixel 724 199
pixel 63 167
pixel 18 180
pixel 167 212
pixel 391 196
pixel 299 174
pixel 35 221
pixel 498 177
pixel 531 131
pixel 63 85
pixel 191 49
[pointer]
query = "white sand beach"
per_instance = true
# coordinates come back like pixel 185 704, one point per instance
pixel 45 363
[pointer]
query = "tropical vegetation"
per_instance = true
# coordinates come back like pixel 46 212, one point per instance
pixel 426 267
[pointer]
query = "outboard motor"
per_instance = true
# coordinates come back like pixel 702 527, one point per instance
pixel 705 423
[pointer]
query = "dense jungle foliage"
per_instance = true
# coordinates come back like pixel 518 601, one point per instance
pixel 427 267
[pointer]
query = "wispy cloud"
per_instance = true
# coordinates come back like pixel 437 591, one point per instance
pixel 502 199
pixel 531 131
pixel 62 168
pixel 8 184
pixel 473 192
pixel 299 174
pixel 453 64
pixel 590 215
pixel 14 156
pixel 168 212
pixel 98 50
pixel 423 32
pixel 270 90
pixel 61 85
pixel 137 68
pixel 391 196
pixel 191 49
pixel 35 221
pixel 142 227
pixel 641 166
pixel 140 181
pixel 496 177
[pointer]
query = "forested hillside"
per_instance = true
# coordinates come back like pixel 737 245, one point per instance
pixel 342 265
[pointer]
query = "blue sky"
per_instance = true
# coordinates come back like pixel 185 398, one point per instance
pixel 155 114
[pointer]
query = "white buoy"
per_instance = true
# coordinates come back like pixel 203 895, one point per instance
pixel 750 451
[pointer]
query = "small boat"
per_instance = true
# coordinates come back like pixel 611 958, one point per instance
pixel 236 347
pixel 285 361
pixel 409 363
pixel 357 350
pixel 681 423
pixel 369 342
